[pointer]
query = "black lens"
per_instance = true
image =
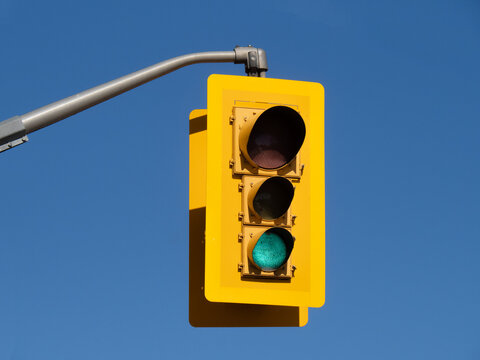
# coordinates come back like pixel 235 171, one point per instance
pixel 273 198
pixel 276 137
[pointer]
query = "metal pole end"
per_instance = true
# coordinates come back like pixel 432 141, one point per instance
pixel 12 133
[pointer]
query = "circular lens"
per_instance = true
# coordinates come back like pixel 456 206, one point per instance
pixel 276 137
pixel 272 249
pixel 273 198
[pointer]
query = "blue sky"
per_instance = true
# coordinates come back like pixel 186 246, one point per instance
pixel 94 235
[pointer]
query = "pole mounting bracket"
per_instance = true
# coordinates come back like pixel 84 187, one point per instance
pixel 255 60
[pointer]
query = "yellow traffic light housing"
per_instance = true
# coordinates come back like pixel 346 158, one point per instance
pixel 265 218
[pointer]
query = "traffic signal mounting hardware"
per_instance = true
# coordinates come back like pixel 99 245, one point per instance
pixel 265 217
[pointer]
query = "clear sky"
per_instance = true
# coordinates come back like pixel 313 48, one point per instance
pixel 94 209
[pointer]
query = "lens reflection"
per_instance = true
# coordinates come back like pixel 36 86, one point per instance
pixel 276 137
pixel 273 198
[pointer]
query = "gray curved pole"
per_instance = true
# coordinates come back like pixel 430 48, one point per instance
pixel 64 108
pixel 13 131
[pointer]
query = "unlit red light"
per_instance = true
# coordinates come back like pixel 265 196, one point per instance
pixel 276 137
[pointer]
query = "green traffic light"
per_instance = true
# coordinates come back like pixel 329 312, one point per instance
pixel 272 249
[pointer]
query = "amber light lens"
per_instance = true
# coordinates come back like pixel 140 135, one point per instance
pixel 273 198
pixel 276 137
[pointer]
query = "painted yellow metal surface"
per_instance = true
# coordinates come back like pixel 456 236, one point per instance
pixel 203 313
pixel 223 280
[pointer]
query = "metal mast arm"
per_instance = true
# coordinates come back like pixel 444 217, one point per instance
pixel 13 131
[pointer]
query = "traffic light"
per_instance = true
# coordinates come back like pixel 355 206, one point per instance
pixel 265 217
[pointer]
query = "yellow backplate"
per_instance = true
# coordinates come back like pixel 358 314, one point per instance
pixel 223 281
